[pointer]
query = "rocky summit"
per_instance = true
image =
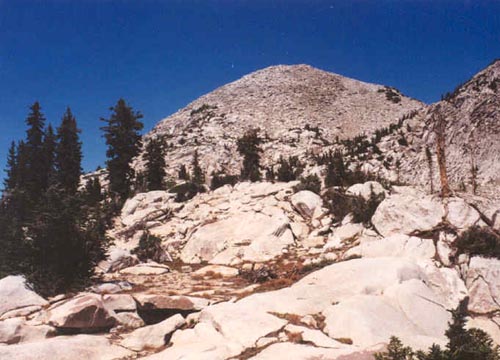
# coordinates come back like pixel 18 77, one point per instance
pixel 270 269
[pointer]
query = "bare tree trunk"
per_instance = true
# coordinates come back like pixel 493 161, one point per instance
pixel 439 130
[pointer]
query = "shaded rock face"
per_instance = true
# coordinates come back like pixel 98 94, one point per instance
pixel 15 294
pixel 86 313
pixel 156 308
pixel 305 202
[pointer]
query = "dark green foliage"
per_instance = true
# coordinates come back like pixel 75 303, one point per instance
pixel 479 241
pixel 149 248
pixel 341 204
pixel 124 141
pixel 395 351
pixel 402 140
pixel 310 182
pixel 183 174
pixel 11 169
pixel 35 165
pixel 92 194
pixel 68 155
pixel 335 170
pixel 154 158
pixel 249 148
pixel 463 344
pixel 220 179
pixel 197 175
pixel 289 169
pixel 186 191
pixel 56 237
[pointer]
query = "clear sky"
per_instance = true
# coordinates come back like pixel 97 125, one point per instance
pixel 160 55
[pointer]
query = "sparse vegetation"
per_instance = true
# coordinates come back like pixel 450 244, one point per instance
pixel 310 182
pixel 149 248
pixel 249 148
pixel 481 241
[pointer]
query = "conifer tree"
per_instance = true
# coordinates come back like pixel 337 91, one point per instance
pixel 11 169
pixel 68 155
pixel 428 155
pixel 124 141
pixel 183 174
pixel 439 130
pixel 155 165
pixel 34 153
pixel 249 148
pixel 197 176
pixel 49 150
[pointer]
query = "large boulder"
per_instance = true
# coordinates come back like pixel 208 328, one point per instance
pixel 305 202
pixel 152 337
pixel 366 189
pixel 15 294
pixel 242 236
pixel 398 245
pixel 118 259
pixel 86 312
pixel 408 213
pixel 88 347
pixel 143 205
pixel 461 215
pixel 13 331
pixel 483 283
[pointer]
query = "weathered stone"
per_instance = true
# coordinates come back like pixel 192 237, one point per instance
pixel 118 259
pixel 218 270
pixel 152 337
pixel 88 347
pixel 13 331
pixel 119 302
pixel 86 312
pixel 460 214
pixel 129 320
pixel 407 213
pixel 364 190
pixel 305 202
pixel 15 294
pixel 483 282
pixel 166 302
pixel 149 268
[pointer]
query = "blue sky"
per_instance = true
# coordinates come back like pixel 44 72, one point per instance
pixel 160 55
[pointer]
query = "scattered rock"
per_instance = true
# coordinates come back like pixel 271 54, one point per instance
pixel 483 283
pixel 88 347
pixel 119 302
pixel 305 202
pixel 364 190
pixel 15 294
pixel 217 270
pixel 129 320
pixel 86 312
pixel 13 331
pixel 150 268
pixel 118 259
pixel 152 337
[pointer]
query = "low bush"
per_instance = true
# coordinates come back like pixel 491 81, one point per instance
pixel 186 191
pixel 310 182
pixel 220 179
pixel 341 204
pixel 479 241
pixel 149 248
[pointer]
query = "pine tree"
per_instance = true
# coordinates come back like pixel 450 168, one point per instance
pixel 183 174
pixel 336 171
pixel 197 175
pixel 35 165
pixel 439 130
pixel 249 148
pixel 11 169
pixel 428 155
pixel 68 153
pixel 49 154
pixel 124 141
pixel 155 165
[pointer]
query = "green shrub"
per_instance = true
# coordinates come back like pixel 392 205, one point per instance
pixel 310 182
pixel 220 179
pixel 186 191
pixel 479 241
pixel 341 204
pixel 149 248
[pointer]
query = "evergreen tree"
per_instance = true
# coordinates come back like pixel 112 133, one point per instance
pixel 124 141
pixel 35 165
pixel 336 173
pixel 11 170
pixel 92 193
pixel 155 165
pixel 197 175
pixel 49 150
pixel 68 155
pixel 249 148
pixel 183 174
